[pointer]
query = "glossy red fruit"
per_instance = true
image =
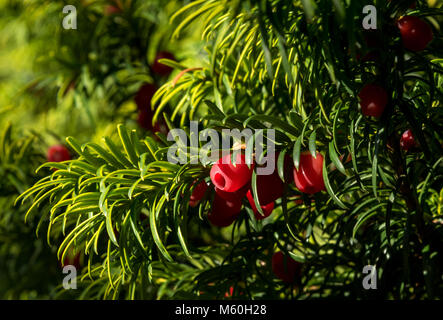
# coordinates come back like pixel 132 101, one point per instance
pixel 233 196
pixel 159 68
pixel 198 193
pixel 224 212
pixel 407 140
pixel 267 208
pixel 229 178
pixel 58 153
pixel 415 33
pixel 373 100
pixel 284 267
pixel 144 95
pixel 269 188
pixel 309 176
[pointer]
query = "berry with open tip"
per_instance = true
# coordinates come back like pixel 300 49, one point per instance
pixel 229 177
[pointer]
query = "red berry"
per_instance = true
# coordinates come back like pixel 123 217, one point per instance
pixel 233 196
pixel 58 153
pixel 373 100
pixel 144 96
pixel 415 33
pixel 229 178
pixel 159 68
pixel 145 113
pixel 224 212
pixel 309 176
pixel 284 267
pixel 267 208
pixel 269 188
pixel 198 193
pixel 407 140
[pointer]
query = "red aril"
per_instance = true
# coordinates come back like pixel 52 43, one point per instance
pixel 229 178
pixel 58 153
pixel 415 33
pixel 233 196
pixel 267 208
pixel 269 187
pixel 407 140
pixel 224 212
pixel 373 100
pixel 198 193
pixel 309 176
pixel 221 221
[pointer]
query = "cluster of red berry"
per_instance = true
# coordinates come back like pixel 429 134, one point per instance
pixel 231 183
pixel 416 34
